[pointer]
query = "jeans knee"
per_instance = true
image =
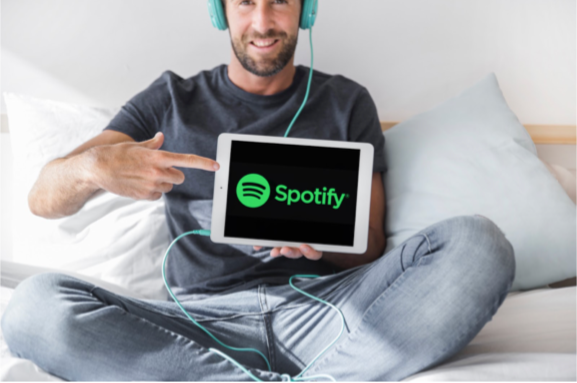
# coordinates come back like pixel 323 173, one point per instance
pixel 27 312
pixel 480 247
pixel 498 247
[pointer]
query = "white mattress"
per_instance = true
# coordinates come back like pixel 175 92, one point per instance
pixel 532 337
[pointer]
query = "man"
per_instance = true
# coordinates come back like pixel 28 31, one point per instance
pixel 405 311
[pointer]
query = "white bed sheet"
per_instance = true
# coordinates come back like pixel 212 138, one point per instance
pixel 532 337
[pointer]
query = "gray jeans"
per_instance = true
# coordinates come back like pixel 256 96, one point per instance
pixel 408 311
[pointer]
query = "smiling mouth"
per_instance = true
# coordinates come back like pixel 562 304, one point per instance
pixel 264 43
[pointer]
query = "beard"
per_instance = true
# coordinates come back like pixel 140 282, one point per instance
pixel 267 66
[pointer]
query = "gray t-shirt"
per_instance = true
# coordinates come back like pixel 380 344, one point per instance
pixel 191 113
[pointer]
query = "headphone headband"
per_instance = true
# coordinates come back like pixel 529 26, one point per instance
pixel 217 16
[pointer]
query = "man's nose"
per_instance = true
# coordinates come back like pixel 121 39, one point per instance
pixel 262 18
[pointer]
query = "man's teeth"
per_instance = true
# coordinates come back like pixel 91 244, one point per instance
pixel 263 43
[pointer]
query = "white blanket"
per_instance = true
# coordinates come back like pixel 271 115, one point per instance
pixel 532 337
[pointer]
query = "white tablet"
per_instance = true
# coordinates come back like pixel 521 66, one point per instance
pixel 281 191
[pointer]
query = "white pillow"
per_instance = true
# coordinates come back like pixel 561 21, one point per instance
pixel 116 239
pixel 471 155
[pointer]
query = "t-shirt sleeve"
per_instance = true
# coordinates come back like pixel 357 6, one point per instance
pixel 365 126
pixel 141 117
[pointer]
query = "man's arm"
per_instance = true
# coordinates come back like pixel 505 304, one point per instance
pixel 112 162
pixel 63 185
pixel 377 239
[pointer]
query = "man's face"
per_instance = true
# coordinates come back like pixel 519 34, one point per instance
pixel 263 33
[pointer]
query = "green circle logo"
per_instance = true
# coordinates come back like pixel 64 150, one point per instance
pixel 253 190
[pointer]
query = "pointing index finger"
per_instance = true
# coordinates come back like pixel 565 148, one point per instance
pixel 188 161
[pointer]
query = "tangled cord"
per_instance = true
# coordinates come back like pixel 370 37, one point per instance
pixel 285 377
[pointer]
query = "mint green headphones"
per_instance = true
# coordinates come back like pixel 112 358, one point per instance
pixel 216 12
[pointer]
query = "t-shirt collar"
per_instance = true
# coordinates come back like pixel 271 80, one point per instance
pixel 262 99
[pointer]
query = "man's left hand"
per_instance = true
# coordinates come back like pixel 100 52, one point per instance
pixel 295 252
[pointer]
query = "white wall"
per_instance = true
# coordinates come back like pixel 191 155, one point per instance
pixel 410 54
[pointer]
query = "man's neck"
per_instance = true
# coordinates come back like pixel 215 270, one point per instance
pixel 264 86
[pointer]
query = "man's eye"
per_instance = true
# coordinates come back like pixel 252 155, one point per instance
pixel 276 1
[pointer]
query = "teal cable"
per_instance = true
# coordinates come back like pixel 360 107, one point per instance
pixel 235 363
pixel 296 378
pixel 286 376
pixel 206 233
pixel 308 86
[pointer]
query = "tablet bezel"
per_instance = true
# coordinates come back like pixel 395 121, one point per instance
pixel 364 187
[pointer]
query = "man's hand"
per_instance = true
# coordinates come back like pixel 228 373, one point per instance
pixel 139 170
pixel 295 252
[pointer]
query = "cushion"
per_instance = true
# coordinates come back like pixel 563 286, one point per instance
pixel 471 155
pixel 116 239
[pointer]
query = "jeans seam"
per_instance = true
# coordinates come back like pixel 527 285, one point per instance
pixel 251 313
pixel 404 244
pixel 205 319
pixel 267 326
pixel 401 257
pixel 137 303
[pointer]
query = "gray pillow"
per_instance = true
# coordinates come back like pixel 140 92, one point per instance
pixel 471 155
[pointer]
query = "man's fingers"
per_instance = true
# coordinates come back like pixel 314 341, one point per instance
pixel 173 175
pixel 169 159
pixel 311 253
pixel 291 252
pixel 154 143
pixel 188 161
pixel 297 252
pixel 164 187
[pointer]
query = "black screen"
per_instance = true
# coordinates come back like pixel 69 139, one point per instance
pixel 312 193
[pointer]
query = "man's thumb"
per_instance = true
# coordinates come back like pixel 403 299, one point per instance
pixel 155 142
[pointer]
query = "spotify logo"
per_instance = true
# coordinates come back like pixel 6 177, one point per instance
pixel 253 190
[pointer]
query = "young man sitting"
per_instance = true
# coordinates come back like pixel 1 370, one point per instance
pixel 406 310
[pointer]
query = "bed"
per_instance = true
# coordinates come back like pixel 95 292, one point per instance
pixel 532 336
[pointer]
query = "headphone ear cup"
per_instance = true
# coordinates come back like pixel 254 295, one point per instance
pixel 308 14
pixel 216 13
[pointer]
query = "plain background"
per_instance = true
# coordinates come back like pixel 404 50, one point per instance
pixel 410 54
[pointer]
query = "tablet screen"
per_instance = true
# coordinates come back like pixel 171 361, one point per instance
pixel 292 193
